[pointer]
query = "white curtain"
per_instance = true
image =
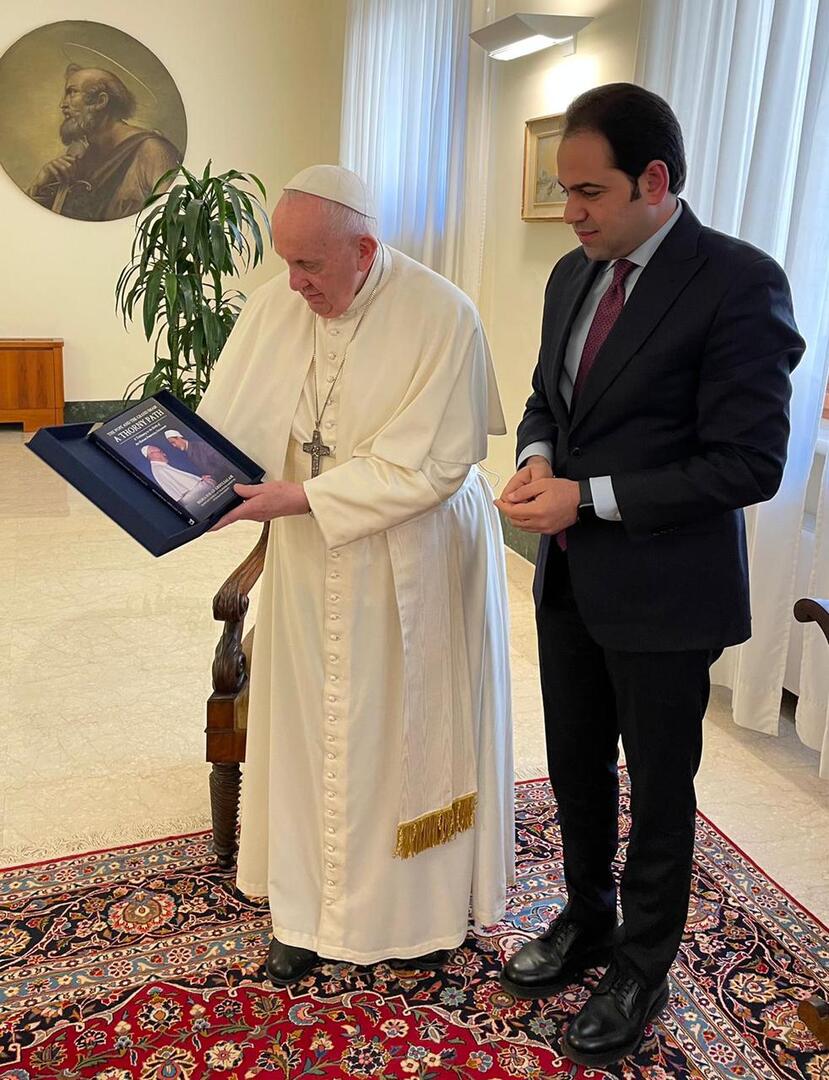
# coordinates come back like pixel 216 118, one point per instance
pixel 748 81
pixel 415 125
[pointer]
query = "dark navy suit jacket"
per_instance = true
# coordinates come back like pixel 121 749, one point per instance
pixel 686 409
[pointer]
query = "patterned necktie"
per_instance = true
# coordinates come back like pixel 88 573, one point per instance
pixel 608 311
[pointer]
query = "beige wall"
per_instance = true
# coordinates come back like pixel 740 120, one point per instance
pixel 519 255
pixel 261 83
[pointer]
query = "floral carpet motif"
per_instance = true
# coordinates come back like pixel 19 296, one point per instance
pixel 145 963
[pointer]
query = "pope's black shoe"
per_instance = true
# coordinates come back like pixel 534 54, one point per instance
pixel 287 964
pixel 558 957
pixel 612 1023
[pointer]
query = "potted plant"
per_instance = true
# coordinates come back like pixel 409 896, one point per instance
pixel 187 240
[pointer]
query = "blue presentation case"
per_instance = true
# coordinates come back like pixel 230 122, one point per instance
pixel 120 495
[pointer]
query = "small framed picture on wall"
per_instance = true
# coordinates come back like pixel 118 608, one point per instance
pixel 543 198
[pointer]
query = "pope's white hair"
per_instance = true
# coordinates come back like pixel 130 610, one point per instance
pixel 344 221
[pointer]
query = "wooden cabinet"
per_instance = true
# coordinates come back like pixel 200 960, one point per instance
pixel 31 382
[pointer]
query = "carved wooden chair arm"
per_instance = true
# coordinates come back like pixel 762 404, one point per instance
pixel 230 605
pixel 231 601
pixel 809 610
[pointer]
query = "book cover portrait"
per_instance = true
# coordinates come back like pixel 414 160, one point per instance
pixel 163 450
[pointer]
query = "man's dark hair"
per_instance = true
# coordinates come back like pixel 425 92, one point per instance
pixel 639 125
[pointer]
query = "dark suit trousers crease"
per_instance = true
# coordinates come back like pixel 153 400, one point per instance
pixel 656 702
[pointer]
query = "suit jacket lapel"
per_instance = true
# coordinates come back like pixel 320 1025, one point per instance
pixel 673 265
pixel 567 303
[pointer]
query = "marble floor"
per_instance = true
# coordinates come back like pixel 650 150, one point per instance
pixel 105 668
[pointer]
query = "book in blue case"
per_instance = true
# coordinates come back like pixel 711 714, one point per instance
pixel 156 469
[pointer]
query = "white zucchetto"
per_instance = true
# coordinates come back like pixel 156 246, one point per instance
pixel 336 184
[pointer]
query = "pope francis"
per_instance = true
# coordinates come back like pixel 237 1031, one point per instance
pixel 377 799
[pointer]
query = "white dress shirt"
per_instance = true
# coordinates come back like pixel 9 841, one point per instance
pixel 604 498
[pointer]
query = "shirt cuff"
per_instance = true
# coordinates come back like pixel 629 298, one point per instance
pixel 541 449
pixel 604 498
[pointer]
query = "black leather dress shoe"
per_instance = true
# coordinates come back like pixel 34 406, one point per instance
pixel 432 961
pixel 612 1023
pixel 558 957
pixel 287 964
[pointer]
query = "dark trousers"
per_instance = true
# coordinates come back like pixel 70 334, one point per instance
pixel 656 702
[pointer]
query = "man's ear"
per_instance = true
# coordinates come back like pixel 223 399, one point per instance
pixel 367 248
pixel 655 182
pixel 102 101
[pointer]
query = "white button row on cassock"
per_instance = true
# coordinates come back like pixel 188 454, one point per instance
pixel 335 715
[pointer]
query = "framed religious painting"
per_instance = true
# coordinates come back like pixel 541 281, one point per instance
pixel 90 119
pixel 543 198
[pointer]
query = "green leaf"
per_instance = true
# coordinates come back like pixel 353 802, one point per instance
pixel 153 383
pixel 151 300
pixel 257 239
pixel 192 181
pixel 170 288
pixel 132 388
pixel 218 245
pixel 203 248
pixel 242 245
pixel 209 323
pixel 198 339
pixel 145 222
pixel 191 223
pixel 174 234
pixel 233 195
pixel 221 201
pixel 158 187
pixel 260 185
pixel 172 212
pixel 188 296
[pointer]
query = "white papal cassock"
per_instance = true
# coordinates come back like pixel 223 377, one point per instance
pixel 379 679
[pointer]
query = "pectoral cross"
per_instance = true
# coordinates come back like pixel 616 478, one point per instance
pixel 317 449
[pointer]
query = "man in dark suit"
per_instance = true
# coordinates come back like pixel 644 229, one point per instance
pixel 659 410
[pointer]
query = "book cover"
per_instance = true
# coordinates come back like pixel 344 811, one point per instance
pixel 166 454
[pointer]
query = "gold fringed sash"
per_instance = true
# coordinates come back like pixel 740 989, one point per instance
pixel 441 707
pixel 437 827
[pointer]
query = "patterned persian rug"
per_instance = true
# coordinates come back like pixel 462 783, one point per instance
pixel 144 963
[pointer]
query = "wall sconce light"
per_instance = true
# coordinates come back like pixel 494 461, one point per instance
pixel 519 35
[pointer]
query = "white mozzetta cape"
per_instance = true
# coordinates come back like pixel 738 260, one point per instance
pixel 419 381
pixel 381 640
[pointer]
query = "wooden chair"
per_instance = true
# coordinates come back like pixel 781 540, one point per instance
pixel 227 706
pixel 814 1011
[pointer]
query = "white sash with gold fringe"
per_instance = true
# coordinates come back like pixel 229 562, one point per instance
pixel 439 776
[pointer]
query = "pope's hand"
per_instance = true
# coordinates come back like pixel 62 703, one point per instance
pixel 547 505
pixel 263 502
